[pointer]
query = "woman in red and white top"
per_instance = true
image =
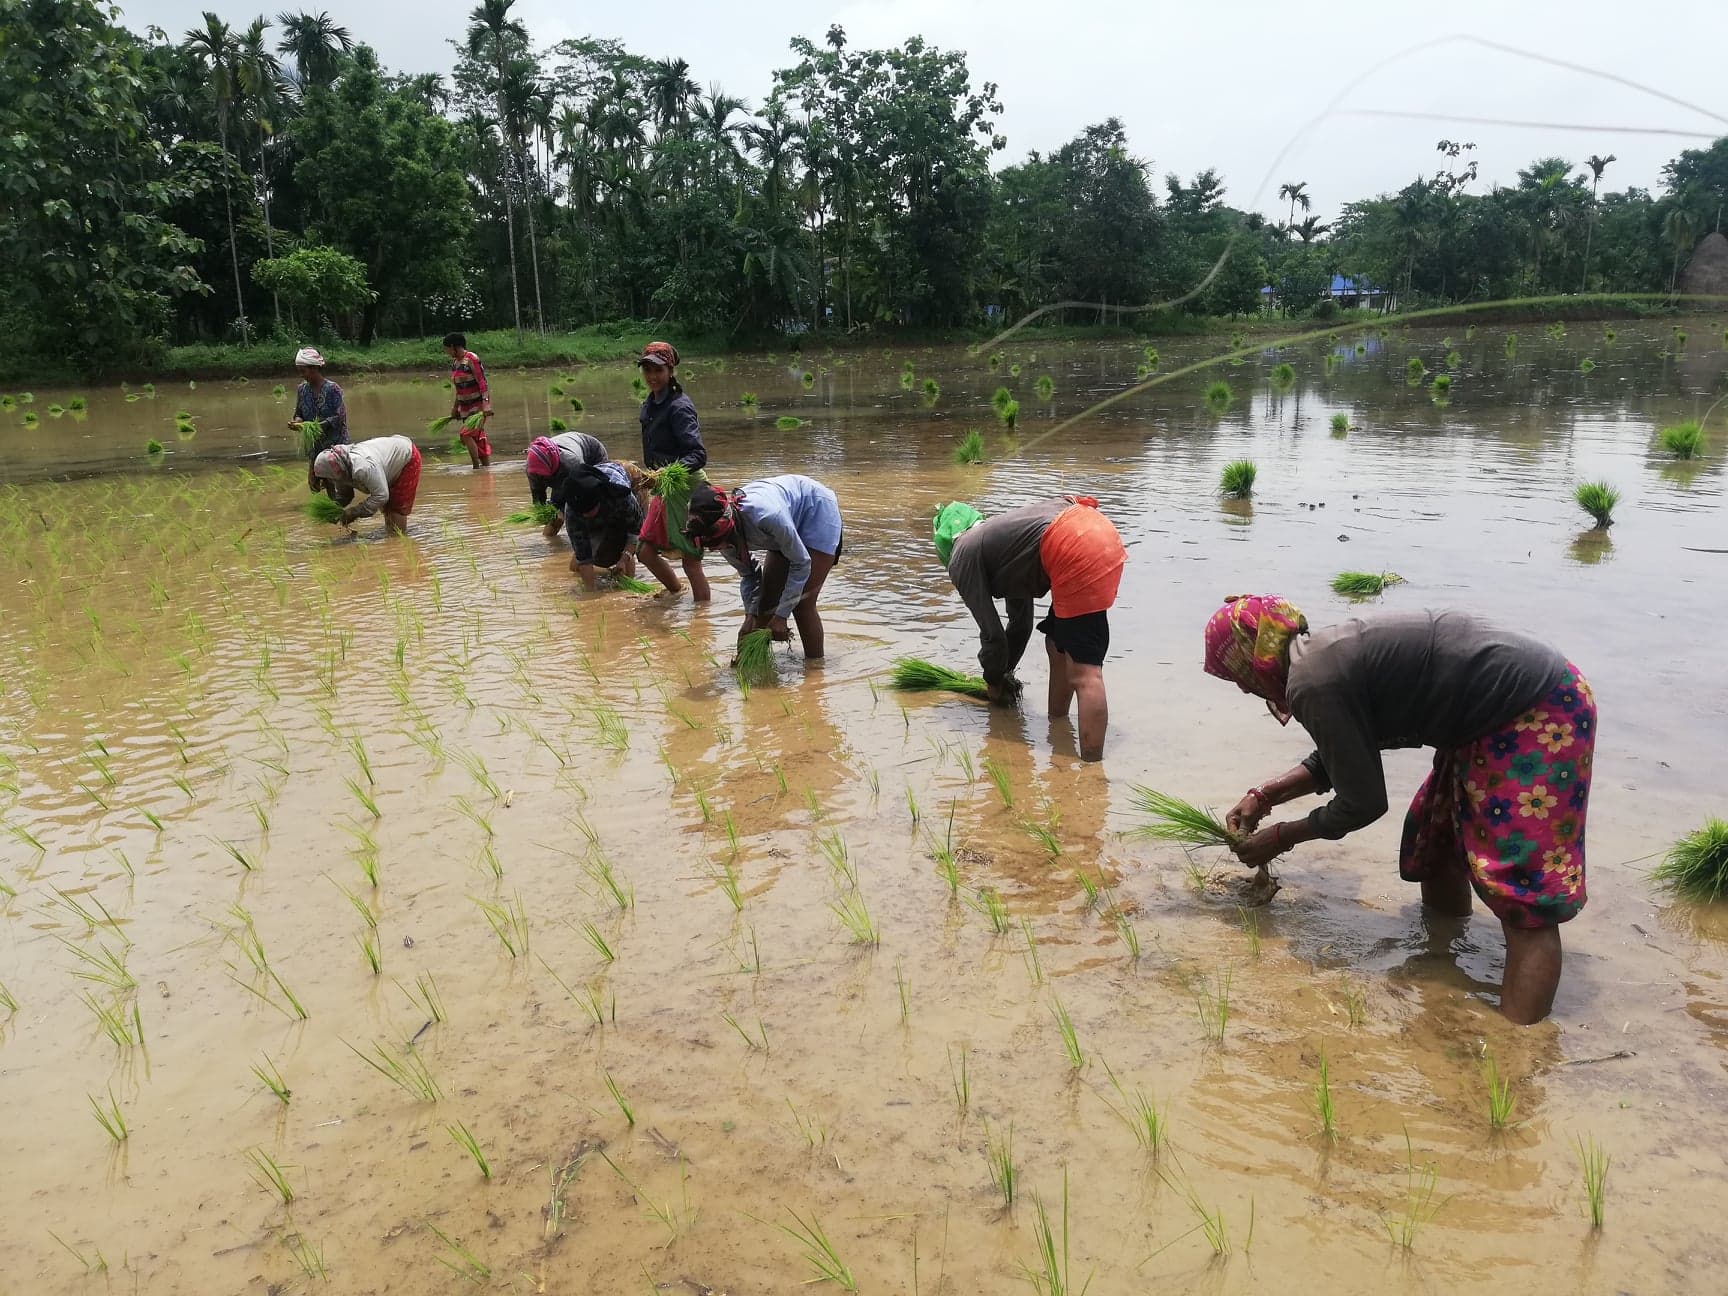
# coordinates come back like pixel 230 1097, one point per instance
pixel 473 396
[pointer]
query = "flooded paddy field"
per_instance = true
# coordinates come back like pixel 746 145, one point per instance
pixel 445 849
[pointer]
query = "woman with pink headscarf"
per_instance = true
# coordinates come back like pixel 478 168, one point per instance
pixel 551 460
pixel 1513 725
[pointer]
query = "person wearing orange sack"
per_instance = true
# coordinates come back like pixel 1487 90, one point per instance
pixel 1064 547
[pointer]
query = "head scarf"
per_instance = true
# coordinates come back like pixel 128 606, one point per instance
pixel 1248 641
pixel 333 464
pixel 309 357
pixel 952 521
pixel 711 515
pixel 543 458
pixel 659 353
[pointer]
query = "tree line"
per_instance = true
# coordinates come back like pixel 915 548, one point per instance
pixel 228 183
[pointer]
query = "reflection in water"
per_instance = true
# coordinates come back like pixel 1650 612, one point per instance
pixel 1591 547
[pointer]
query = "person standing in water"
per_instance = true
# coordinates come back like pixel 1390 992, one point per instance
pixel 318 400
pixel 1513 725
pixel 783 536
pixel 1063 547
pixel 473 396
pixel 387 469
pixel 670 434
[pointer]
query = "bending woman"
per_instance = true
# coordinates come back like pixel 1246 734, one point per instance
pixel 603 517
pixel 1513 725
pixel 782 536
pixel 551 460
pixel 386 468
pixel 670 434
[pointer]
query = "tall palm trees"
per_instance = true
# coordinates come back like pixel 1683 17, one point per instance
pixel 1597 166
pixel 1297 192
pixel 493 38
pixel 259 77
pixel 214 46
pixel 316 43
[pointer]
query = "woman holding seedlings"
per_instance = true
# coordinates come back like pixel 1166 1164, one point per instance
pixel 318 401
pixel 550 462
pixel 670 435
pixel 782 536
pixel 473 396
pixel 1063 547
pixel 603 517
pixel 387 469
pixel 1513 725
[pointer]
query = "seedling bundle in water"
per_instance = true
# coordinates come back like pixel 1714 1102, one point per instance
pixel 630 585
pixel 1237 479
pixel 1598 500
pixel 321 508
pixel 971 448
pixel 1683 440
pixel 755 661
pixel 541 514
pixel 1696 867
pixel 917 675
pixel 1179 821
pixel 1360 585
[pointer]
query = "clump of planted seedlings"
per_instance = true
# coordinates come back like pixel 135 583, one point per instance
pixel 1236 481
pixel 1598 500
pixel 971 448
pixel 1340 425
pixel 1283 376
pixel 1683 440
pixel 1695 868
pixel 1364 585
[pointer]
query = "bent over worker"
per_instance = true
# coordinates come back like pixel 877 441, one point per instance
pixel 387 469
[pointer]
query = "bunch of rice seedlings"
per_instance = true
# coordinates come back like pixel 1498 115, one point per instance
pixel 309 433
pixel 1683 440
pixel 540 514
pixel 556 425
pixel 153 448
pixel 788 423
pixel 639 387
pixel 672 482
pixel 1414 370
pixel 1283 375
pixel 1237 479
pixel 576 405
pixel 1696 867
pixel 932 389
pixel 914 674
pixel 1001 398
pixel 1219 395
pixel 995 361
pixel 1679 339
pixel 1045 386
pixel 1009 414
pixel 908 379
pixel 819 1252
pixel 76 404
pixel 971 448
pixel 30 420
pixel 435 427
pixel 1598 500
pixel 808 380
pixel 1511 345
pixel 631 585
pixel 1176 820
pixel 748 400
pixel 1362 585
pixel 1442 385
pixel 1586 365
pixel 475 421
pixel 26 398
pixel 321 508
pixel 555 390
pixel 278 390
pixel 1014 370
pixel 1340 424
pixel 755 661
pixel 55 411
pixel 1593 1164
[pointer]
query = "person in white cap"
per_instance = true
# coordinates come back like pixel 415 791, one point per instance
pixel 387 469
pixel 318 401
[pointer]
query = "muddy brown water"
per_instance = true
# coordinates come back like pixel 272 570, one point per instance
pixel 180 643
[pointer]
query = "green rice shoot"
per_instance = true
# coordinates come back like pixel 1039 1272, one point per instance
pixel 321 508
pixel 1237 479
pixel 1179 821
pixel 436 426
pixel 1219 395
pixel 1695 868
pixel 1598 500
pixel 916 675
pixel 153 447
pixel 631 585
pixel 1361 585
pixel 672 483
pixel 556 425
pixel 788 423
pixel 309 434
pixel 971 448
pixel 541 514
pixel 1340 424
pixel 1683 440
pixel 1283 375
pixel 755 661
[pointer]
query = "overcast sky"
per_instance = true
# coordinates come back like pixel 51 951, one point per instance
pixel 1222 83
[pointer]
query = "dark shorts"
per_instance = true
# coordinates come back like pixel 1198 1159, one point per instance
pixel 1085 639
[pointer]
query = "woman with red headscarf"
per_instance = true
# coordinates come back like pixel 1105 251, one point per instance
pixel 670 435
pixel 1513 725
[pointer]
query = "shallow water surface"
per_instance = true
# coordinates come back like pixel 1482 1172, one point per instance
pixel 218 725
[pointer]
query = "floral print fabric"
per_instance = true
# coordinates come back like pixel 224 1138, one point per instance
pixel 1509 808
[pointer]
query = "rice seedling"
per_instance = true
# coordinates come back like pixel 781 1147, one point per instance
pixel 371 951
pixel 309 1256
pixel 1511 345
pixel 1363 585
pixel 1695 868
pixel 971 448
pixel 748 400
pixel 819 1252
pixel 1212 1224
pixel 902 987
pixel 913 674
pixel 77 404
pixel 408 1073
pixel 999 1158
pixel 508 921
pixel 556 425
pixel 1501 1100
pixel 1683 440
pixel 1340 424
pixel 1125 932
pixel 1045 835
pixel 1419 1203
pixel 754 663
pixel 461 1260
pixel 631 585
pixel 364 797
pixel 435 427
pixel 986 901
pixel 1598 500
pixel 789 423
pixel 154 448
pixel 1034 965
pixel 591 934
pixel 932 389
pixel 1593 1164
pixel 1179 821
pixel 960 1080
pixel 1000 780
pixel 1414 370
pixel 1052 1275
pixel 757 1043
pixel 912 804
pixel 1213 1006
pixel 55 411
pixel 321 508
pixel 1045 386
pixel 1065 1029
pixel 122 1031
pixel 1219 396
pixel 908 379
pixel 109 1116
pixel 1441 386
pixel 1679 339
pixel 1014 370
pixel 1586 365
pixel 8 1001
pixel 601 872
pixel 1453 359
pixel 855 919
pixel 271 1079
pixel 1324 1109
pixel 30 420
pixel 555 389
pixel 576 405
pixel 1149 1123
pixel 540 514
pixel 1283 376
pixel 1236 481
pixel 464 1139
pixel 270 1175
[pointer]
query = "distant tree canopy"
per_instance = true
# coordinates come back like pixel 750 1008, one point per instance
pixel 203 188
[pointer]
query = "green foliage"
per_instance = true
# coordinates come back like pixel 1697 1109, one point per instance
pixel 321 508
pixel 1219 396
pixel 1683 440
pixel 1695 868
pixel 971 448
pixel 916 675
pixel 755 661
pixel 1361 585
pixel 1598 500
pixel 1340 424
pixel 319 283
pixel 1283 376
pixel 788 423
pixel 556 425
pixel 153 447
pixel 1176 820
pixel 1236 481
pixel 1045 386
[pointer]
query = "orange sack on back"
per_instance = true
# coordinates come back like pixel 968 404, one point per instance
pixel 1083 556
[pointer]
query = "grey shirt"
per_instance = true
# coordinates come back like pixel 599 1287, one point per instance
pixel 1405 679
pixel 998 559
